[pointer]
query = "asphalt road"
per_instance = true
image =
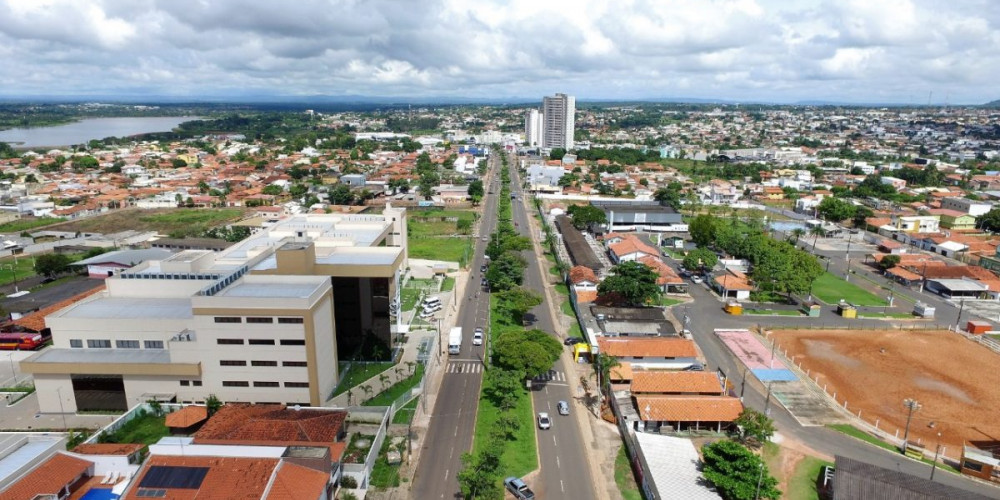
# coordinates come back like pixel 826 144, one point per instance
pixel 705 315
pixel 454 419
pixel 562 457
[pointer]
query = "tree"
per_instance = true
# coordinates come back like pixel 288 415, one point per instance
pixel 889 262
pixel 670 195
pixel 514 303
pixel 476 191
pixel 835 209
pixel 51 264
pixel 585 216
pixel 630 283
pixel 754 427
pixel 736 472
pixel 505 272
pixel 701 258
pixel 797 233
pixel 531 352
pixel 990 221
pixel 603 367
pixel 273 190
pixel 341 195
pixel 557 154
pixel 861 215
pixel 178 163
pixel 212 404
pixel 703 229
pixel 503 387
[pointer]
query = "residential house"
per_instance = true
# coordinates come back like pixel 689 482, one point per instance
pixel 111 263
pixel 732 284
pixel 651 353
pixel 719 192
pixel 584 283
pixel 974 208
pixel 631 248
pixel 954 219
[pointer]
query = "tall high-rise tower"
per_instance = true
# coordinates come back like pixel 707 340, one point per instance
pixel 533 128
pixel 559 121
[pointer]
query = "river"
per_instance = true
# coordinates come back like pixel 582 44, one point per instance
pixel 88 129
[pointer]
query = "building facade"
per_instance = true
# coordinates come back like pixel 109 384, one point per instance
pixel 255 323
pixel 533 128
pixel 559 121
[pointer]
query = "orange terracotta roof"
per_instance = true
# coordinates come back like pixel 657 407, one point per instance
pixel 294 482
pixel 688 408
pixel 579 274
pixel 622 372
pixel 120 449
pixel 671 382
pixel 187 416
pixel 227 477
pixel 730 282
pixel 903 273
pixel 36 321
pixel 49 478
pixel 649 347
pixel 586 296
pixel 664 273
pixel 274 425
pixel 958 272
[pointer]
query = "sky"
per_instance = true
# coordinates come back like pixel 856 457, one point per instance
pixel 863 51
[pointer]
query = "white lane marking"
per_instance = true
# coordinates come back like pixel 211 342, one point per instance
pixel 446 472
pixel 558 465
pixel 562 487
pixel 554 441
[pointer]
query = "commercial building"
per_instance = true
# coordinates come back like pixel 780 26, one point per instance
pixel 558 121
pixel 256 322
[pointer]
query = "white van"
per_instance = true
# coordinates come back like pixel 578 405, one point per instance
pixel 431 302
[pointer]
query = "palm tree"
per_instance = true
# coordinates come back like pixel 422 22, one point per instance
pixel 816 231
pixel 368 391
pixel 412 366
pixel 382 379
pixel 798 233
pixel 603 368
pixel 350 395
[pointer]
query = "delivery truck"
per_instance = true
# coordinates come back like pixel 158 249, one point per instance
pixel 455 341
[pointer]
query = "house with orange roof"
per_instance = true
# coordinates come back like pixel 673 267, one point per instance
pixel 584 283
pixel 650 352
pixel 659 413
pixel 732 285
pixel 631 248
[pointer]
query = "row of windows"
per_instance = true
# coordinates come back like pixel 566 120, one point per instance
pixel 260 341
pixel 120 344
pixel 232 362
pixel 186 383
pixel 258 319
pixel 244 383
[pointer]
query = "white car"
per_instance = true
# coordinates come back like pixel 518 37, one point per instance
pixel 543 421
pixel 477 337
pixel 697 279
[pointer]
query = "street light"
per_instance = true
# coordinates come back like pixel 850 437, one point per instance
pixel 912 405
pixel 61 409
pixel 936 452
pixel 961 308
pixel 10 356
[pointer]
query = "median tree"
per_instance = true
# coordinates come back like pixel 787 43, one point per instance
pixel 630 283
pixel 505 272
pixel 737 473
pixel 530 352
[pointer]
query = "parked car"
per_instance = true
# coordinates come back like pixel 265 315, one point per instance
pixel 697 279
pixel 544 422
pixel 697 367
pixel 518 488
pixel 573 341
pixel 477 337
pixel 563 407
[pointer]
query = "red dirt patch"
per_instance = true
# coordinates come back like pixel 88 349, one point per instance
pixel 955 380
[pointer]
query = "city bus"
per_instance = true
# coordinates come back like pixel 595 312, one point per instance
pixel 21 341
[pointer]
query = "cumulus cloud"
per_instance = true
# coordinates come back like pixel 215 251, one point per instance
pixel 769 50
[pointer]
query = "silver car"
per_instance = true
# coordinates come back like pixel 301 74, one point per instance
pixel 544 422
pixel 562 407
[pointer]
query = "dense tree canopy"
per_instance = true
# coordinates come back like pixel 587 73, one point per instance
pixel 701 258
pixel 531 352
pixel 736 472
pixel 585 216
pixel 835 209
pixel 990 221
pixel 630 283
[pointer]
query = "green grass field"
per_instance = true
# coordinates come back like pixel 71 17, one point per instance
pixel 802 484
pixel 396 390
pixel 667 301
pixel 624 477
pixel 358 373
pixel 831 289
pixel 21 225
pixel 520 456
pixel 405 414
pixel 147 429
pixel 439 240
pixel 448 284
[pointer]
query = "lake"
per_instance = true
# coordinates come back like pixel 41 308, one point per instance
pixel 88 129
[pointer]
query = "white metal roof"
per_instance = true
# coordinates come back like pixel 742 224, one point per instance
pixel 130 308
pixel 276 290
pixel 673 467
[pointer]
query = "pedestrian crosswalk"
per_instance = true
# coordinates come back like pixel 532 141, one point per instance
pixel 464 367
pixel 551 376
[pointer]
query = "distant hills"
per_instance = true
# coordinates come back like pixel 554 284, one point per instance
pixel 992 104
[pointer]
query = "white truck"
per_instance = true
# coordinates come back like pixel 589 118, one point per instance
pixel 455 341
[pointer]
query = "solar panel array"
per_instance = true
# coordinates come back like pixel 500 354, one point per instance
pixel 150 493
pixel 170 476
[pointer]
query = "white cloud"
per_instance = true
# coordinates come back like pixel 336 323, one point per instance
pixel 741 49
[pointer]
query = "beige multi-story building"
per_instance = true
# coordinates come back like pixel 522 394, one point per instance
pixel 263 321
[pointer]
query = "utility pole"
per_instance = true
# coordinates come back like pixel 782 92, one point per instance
pixel 743 385
pixel 958 320
pixel 767 402
pixel 936 452
pixel 912 405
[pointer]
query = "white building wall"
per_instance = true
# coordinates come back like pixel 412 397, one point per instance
pixel 325 343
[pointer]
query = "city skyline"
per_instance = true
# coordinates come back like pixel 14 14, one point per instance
pixel 899 52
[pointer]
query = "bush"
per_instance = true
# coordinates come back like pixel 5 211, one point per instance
pixel 348 482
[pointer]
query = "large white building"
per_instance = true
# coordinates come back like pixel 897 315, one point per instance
pixel 263 321
pixel 558 121
pixel 533 128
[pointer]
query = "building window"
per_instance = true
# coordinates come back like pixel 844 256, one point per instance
pixel 228 319
pixel 294 363
pixel 261 341
pixel 296 384
pixel 290 321
pixel 232 362
pixel 230 341
pixel 153 344
pixel 266 384
pixel 127 344
pixel 76 343
pixel 185 383
pixel 235 383
pixel 196 383
pixel 293 342
pixel 263 363
pixel 260 320
pixel 98 344
pixel 973 466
